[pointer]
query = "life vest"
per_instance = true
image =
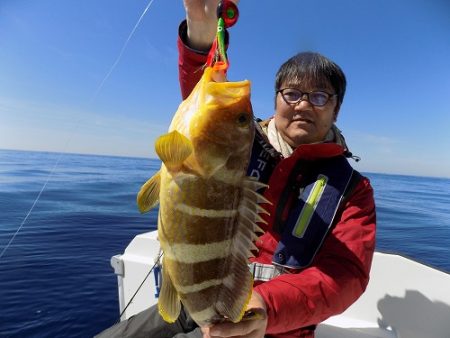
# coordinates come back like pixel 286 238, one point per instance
pixel 306 190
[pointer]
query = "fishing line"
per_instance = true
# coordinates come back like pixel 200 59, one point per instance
pixel 32 207
pixel 97 91
pixel 140 286
pixel 122 50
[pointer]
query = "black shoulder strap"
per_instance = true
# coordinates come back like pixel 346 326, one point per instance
pixel 264 157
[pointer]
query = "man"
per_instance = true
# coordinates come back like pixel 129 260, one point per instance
pixel 314 258
pixel 309 92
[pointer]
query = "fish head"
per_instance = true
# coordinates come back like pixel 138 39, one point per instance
pixel 222 129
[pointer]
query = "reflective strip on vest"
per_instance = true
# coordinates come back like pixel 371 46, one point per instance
pixel 265 272
pixel 310 206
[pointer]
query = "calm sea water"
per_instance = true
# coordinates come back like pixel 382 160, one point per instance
pixel 56 279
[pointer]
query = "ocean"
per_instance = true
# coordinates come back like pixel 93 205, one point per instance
pixel 56 279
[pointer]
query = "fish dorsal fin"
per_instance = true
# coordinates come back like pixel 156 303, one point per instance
pixel 173 149
pixel 250 193
pixel 169 305
pixel 148 196
pixel 249 210
pixel 253 184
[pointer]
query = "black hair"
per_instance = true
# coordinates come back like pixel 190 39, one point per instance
pixel 312 68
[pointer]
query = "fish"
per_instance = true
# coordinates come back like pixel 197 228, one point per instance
pixel 208 206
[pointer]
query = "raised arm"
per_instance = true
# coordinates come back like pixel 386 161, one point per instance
pixel 195 38
pixel 201 22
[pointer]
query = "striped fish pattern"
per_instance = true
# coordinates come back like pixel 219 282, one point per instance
pixel 208 208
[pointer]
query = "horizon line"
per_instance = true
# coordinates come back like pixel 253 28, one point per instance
pixel 157 159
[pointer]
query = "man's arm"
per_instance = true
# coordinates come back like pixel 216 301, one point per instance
pixel 190 62
pixel 195 37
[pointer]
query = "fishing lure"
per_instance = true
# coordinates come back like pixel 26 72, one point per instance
pixel 227 16
pixel 228 11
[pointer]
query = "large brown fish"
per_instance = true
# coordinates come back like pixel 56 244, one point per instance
pixel 208 207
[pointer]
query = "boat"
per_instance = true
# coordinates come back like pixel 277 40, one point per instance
pixel 404 298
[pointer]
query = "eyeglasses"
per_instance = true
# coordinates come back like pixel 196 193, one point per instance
pixel 293 96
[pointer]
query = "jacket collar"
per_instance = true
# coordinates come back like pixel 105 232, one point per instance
pixel 333 145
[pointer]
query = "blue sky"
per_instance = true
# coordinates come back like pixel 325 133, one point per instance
pixel 55 54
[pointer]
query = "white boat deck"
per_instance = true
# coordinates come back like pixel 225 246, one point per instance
pixel 404 299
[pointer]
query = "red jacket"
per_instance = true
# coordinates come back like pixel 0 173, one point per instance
pixel 339 272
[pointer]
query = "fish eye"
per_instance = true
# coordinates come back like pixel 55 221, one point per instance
pixel 242 120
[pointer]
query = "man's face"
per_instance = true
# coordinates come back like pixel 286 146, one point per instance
pixel 303 122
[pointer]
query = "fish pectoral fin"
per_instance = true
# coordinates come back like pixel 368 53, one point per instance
pixel 173 149
pixel 148 196
pixel 169 305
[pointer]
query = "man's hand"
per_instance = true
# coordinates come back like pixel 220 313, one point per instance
pixel 254 327
pixel 201 19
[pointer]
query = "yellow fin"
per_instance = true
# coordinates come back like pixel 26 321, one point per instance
pixel 173 148
pixel 169 305
pixel 241 315
pixel 148 196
